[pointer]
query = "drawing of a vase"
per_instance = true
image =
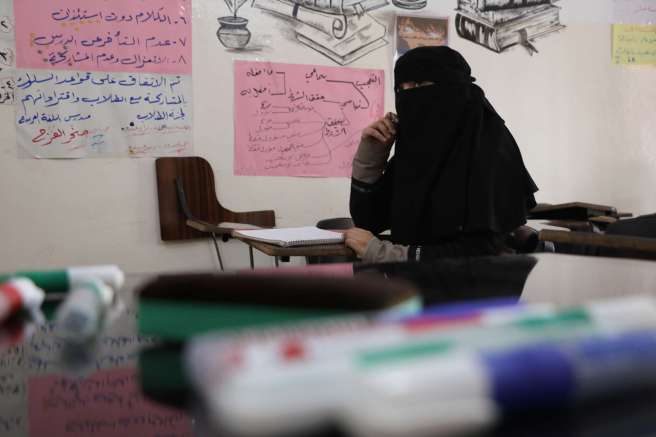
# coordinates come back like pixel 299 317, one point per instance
pixel 233 33
pixel 410 4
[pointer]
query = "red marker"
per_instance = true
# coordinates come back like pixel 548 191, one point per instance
pixel 18 294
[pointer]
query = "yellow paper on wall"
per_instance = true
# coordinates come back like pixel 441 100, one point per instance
pixel 634 44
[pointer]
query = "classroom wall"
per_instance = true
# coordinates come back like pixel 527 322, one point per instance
pixel 586 129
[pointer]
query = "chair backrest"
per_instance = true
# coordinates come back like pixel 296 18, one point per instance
pixel 195 177
pixel 186 191
pixel 524 239
pixel 340 223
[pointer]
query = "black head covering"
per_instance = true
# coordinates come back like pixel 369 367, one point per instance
pixel 431 63
pixel 456 167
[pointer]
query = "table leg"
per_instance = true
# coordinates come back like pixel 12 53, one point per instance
pixel 250 254
pixel 218 252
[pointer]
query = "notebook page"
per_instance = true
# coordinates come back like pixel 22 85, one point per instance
pixel 292 235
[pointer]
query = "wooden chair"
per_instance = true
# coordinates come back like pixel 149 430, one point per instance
pixel 571 211
pixel 606 245
pixel 189 208
pixel 578 216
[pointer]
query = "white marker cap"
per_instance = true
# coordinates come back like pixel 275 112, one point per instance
pixel 31 295
pixel 111 275
pixel 103 290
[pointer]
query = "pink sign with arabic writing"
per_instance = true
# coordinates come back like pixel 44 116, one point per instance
pixel 151 36
pixel 302 120
pixel 107 404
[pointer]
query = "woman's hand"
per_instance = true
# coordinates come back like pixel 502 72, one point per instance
pixel 382 131
pixel 358 239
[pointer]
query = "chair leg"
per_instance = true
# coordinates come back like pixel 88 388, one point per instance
pixel 250 254
pixel 218 252
pixel 276 261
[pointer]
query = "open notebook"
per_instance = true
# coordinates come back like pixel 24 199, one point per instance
pixel 291 237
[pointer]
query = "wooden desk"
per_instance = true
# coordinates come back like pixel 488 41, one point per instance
pixel 286 252
pixel 571 211
pixel 632 247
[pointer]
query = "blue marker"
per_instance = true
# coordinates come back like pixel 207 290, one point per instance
pixel 444 390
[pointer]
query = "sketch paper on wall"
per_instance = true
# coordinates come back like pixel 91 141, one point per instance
pixel 6 26
pixel 341 30
pixel 6 18
pixel 7 83
pixel 634 11
pixel 414 31
pixel 106 404
pixel 92 114
pixel 501 24
pixel 148 36
pixel 634 44
pixel 7 55
pixel 302 120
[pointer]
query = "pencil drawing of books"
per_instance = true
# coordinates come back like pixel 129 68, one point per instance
pixel 341 38
pixel 495 5
pixel 498 31
pixel 497 16
pixel 342 7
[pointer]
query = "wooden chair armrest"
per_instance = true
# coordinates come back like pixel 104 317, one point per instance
pixel 209 228
pixel 573 225
pixel 603 220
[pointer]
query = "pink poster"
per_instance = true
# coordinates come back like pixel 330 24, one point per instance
pixel 150 36
pixel 302 120
pixel 107 404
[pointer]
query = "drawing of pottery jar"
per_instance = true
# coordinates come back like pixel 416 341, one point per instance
pixel 410 4
pixel 233 33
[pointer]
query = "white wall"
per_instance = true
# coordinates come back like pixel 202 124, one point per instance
pixel 586 128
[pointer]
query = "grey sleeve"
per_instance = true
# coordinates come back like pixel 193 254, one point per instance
pixel 384 251
pixel 369 161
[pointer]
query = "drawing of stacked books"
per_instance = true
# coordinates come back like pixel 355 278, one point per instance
pixel 342 30
pixel 500 24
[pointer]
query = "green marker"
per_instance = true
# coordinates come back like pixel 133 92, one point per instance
pixel 61 281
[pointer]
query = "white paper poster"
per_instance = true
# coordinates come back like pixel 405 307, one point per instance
pixel 98 78
pixel 92 114
pixel 634 11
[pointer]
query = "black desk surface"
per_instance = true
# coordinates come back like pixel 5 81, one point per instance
pixel 37 397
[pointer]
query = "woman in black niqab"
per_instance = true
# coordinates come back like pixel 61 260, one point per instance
pixel 456 184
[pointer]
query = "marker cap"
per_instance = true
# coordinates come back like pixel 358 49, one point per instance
pixel 110 274
pixel 100 288
pixel 32 295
